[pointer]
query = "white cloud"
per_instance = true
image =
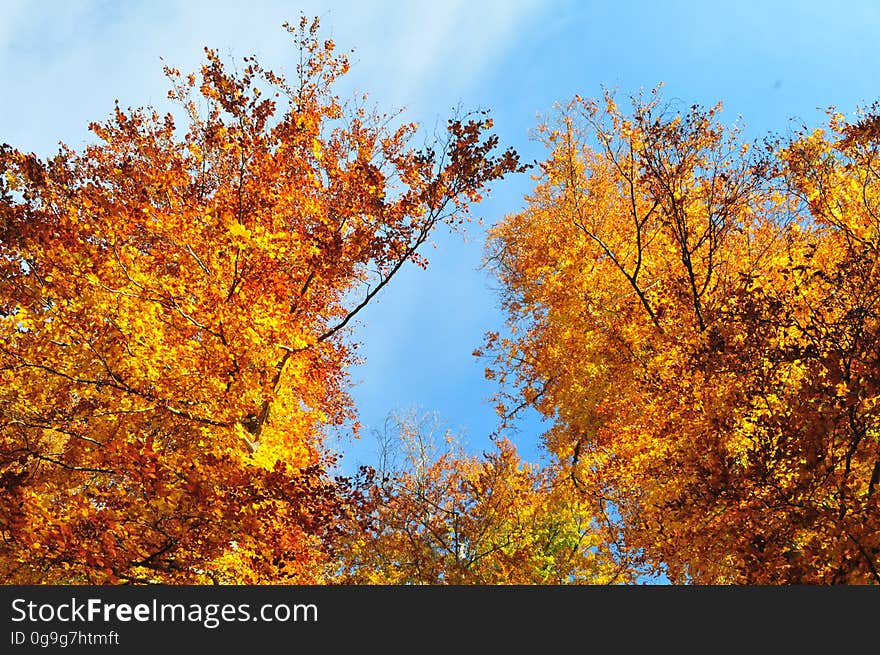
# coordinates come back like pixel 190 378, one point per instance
pixel 442 48
pixel 62 64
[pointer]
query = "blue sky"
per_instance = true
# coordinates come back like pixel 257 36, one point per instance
pixel 62 64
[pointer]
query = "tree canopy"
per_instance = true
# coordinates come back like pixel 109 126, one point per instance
pixel 696 316
pixel 174 305
pixel 699 319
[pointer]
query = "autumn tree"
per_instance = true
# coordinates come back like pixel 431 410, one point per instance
pixel 438 515
pixel 699 319
pixel 175 302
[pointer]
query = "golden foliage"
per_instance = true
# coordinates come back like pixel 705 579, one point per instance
pixel 173 310
pixel 701 323
pixel 436 515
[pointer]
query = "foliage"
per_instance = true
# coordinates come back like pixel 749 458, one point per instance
pixel 173 311
pixel 700 320
pixel 440 516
